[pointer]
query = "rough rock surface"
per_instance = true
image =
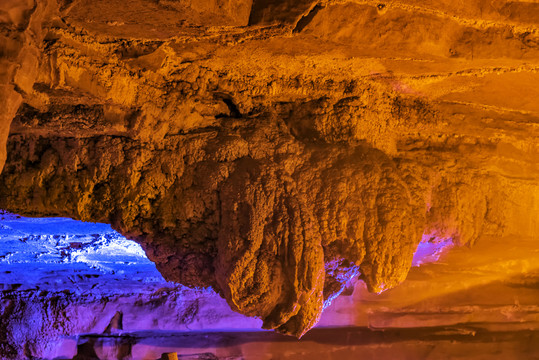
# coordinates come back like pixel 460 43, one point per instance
pixel 79 290
pixel 269 151
pixel 61 278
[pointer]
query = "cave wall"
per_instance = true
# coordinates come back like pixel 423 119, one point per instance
pixel 278 150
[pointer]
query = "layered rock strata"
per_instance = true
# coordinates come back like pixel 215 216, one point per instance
pixel 274 152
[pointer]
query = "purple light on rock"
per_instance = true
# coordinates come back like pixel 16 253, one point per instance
pixel 431 248
pixel 343 275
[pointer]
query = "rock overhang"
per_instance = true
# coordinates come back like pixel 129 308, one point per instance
pixel 252 158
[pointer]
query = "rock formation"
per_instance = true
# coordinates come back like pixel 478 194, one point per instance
pixel 273 149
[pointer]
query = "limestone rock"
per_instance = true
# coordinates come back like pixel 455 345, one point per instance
pixel 275 150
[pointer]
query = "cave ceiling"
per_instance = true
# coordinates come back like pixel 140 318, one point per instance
pixel 272 149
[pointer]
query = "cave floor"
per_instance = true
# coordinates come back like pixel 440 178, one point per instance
pixel 468 341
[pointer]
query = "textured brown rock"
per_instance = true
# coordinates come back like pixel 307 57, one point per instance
pixel 267 160
pixel 20 44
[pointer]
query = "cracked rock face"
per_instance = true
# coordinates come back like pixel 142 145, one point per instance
pixel 266 148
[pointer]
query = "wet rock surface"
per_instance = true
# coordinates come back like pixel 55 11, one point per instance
pixel 268 153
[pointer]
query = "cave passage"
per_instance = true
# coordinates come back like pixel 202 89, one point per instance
pixel 55 254
pixel 367 167
pixel 65 254
pixel 62 254
pixel 85 289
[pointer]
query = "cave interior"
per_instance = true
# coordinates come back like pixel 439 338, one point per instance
pixel 269 179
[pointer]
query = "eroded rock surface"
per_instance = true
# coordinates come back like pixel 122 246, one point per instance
pixel 269 151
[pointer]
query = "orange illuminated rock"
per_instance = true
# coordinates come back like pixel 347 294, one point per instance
pixel 22 23
pixel 271 150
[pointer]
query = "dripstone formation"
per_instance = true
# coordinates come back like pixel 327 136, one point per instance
pixel 273 149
